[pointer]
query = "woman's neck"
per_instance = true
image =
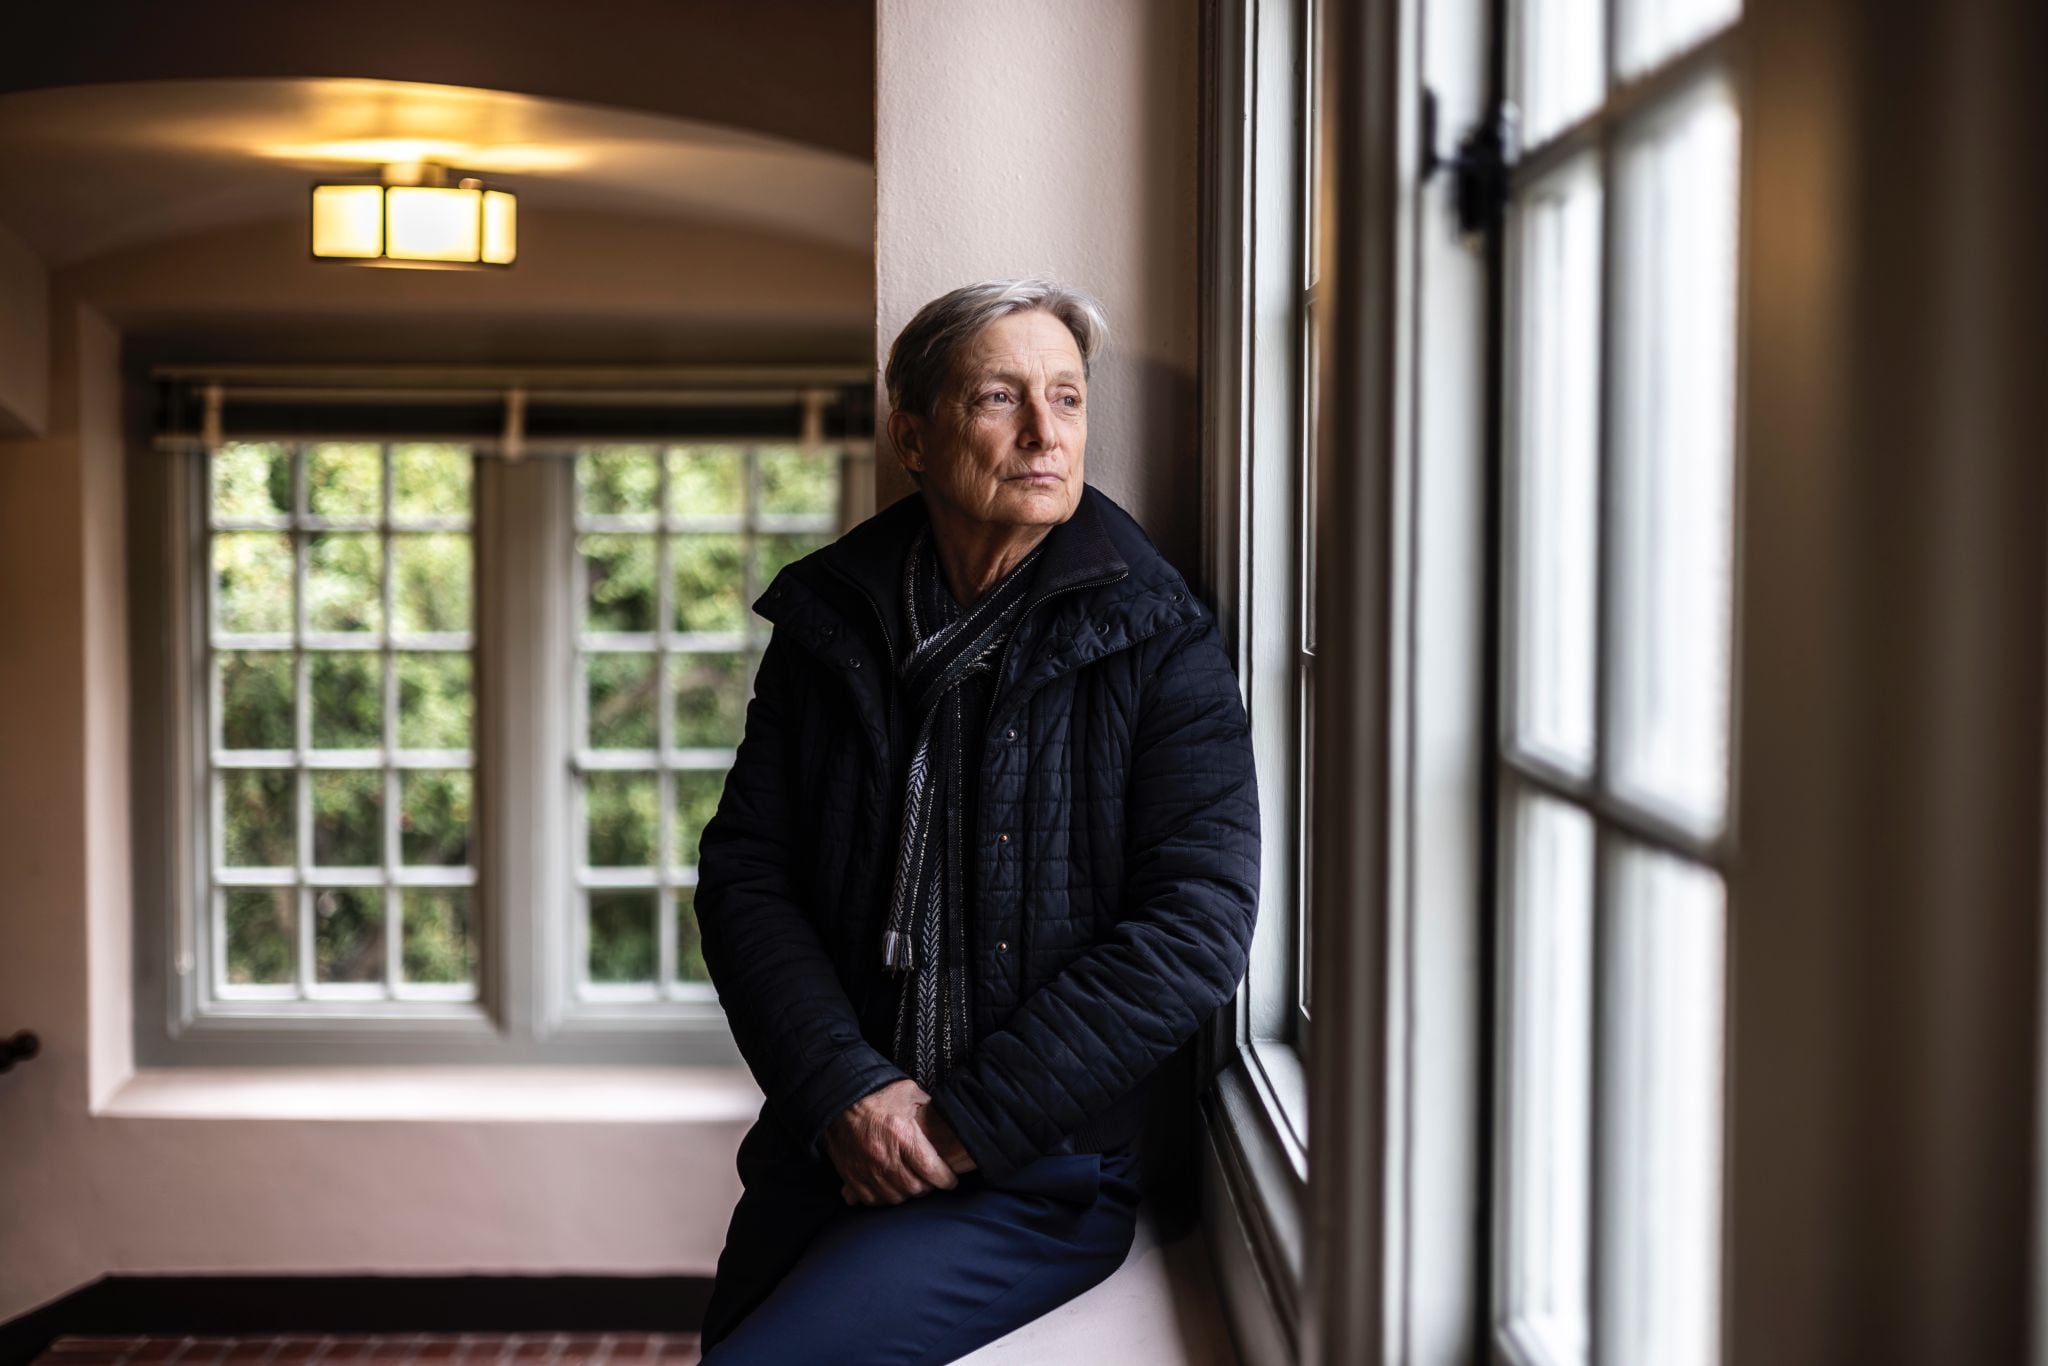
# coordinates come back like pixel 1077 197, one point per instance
pixel 975 556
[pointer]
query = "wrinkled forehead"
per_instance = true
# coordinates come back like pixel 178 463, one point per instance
pixel 1031 345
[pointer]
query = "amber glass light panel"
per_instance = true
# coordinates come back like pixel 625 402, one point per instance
pixel 429 224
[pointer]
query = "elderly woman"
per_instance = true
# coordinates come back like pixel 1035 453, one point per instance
pixel 988 854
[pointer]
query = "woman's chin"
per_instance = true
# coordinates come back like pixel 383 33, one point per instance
pixel 1034 500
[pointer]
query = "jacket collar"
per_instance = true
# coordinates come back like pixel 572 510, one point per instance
pixel 851 585
pixel 869 558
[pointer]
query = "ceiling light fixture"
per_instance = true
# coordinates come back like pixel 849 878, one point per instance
pixel 416 217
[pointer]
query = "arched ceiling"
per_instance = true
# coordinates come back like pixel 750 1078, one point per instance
pixel 798 70
pixel 90 170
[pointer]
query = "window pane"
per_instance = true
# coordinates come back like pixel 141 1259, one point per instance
pixel 348 934
pixel 344 578
pixel 621 811
pixel 1549 1057
pixel 707 481
pixel 370 817
pixel 1555 430
pixel 708 571
pixel 433 817
pixel 345 479
pixel 618 583
pixel 1651 30
pixel 435 708
pixel 1661 1288
pixel 697 793
pixel 348 699
pixel 432 582
pixel 251 479
pixel 620 700
pixel 711 692
pixel 262 935
pixel 618 481
pixel 348 818
pixel 438 945
pixel 796 480
pixel 1560 63
pixel 430 479
pixel 252 581
pixel 259 818
pixel 622 937
pixel 1674 409
pixel 256 700
pixel 689 944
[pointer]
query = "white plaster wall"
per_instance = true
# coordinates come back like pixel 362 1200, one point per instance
pixel 1060 137
pixel 24 339
pixel 110 1171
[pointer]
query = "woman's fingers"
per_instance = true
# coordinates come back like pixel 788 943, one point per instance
pixel 905 1184
pixel 923 1159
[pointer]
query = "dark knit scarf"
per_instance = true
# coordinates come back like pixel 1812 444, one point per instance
pixel 925 938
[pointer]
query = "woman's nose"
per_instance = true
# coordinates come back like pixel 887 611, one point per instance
pixel 1036 416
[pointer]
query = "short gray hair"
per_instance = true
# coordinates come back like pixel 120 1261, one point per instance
pixel 922 356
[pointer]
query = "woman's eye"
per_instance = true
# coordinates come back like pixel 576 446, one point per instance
pixel 1071 400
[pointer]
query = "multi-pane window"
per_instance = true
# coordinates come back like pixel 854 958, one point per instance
pixel 450 715
pixel 673 545
pixel 339 718
pixel 1614 766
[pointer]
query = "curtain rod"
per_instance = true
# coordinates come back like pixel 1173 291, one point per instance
pixel 568 398
pixel 500 377
pixel 497 447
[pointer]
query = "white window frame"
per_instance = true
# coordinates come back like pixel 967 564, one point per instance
pixel 525 1008
pixel 1257 307
pixel 1388 1266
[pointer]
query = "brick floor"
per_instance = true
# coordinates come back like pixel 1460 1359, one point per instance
pixel 515 1349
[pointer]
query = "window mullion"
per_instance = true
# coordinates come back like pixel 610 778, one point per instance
pixel 666 854
pixel 302 778
pixel 388 688
pixel 1600 1184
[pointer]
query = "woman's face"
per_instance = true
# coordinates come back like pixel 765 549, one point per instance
pixel 1005 442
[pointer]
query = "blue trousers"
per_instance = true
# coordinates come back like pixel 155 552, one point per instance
pixel 806 1277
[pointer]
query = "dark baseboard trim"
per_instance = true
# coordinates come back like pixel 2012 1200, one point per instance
pixel 227 1306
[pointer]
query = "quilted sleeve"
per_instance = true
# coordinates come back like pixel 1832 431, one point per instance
pixel 1121 1007
pixel 789 1012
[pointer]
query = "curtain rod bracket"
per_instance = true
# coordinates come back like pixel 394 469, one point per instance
pixel 209 424
pixel 513 446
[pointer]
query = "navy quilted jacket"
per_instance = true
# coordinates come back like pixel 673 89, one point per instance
pixel 1116 863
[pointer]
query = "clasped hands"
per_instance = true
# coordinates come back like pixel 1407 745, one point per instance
pixel 892 1144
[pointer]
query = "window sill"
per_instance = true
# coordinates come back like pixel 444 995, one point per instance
pixel 1254 1200
pixel 527 1094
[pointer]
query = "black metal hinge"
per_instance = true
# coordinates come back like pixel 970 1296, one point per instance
pixel 1479 167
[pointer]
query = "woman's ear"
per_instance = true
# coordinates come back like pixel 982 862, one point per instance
pixel 906 433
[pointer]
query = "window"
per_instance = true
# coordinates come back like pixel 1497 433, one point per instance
pixel 339 722
pixel 1306 460
pixel 1260 319
pixel 673 546
pixel 1266 567
pixel 1613 766
pixel 1520 642
pixel 454 721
